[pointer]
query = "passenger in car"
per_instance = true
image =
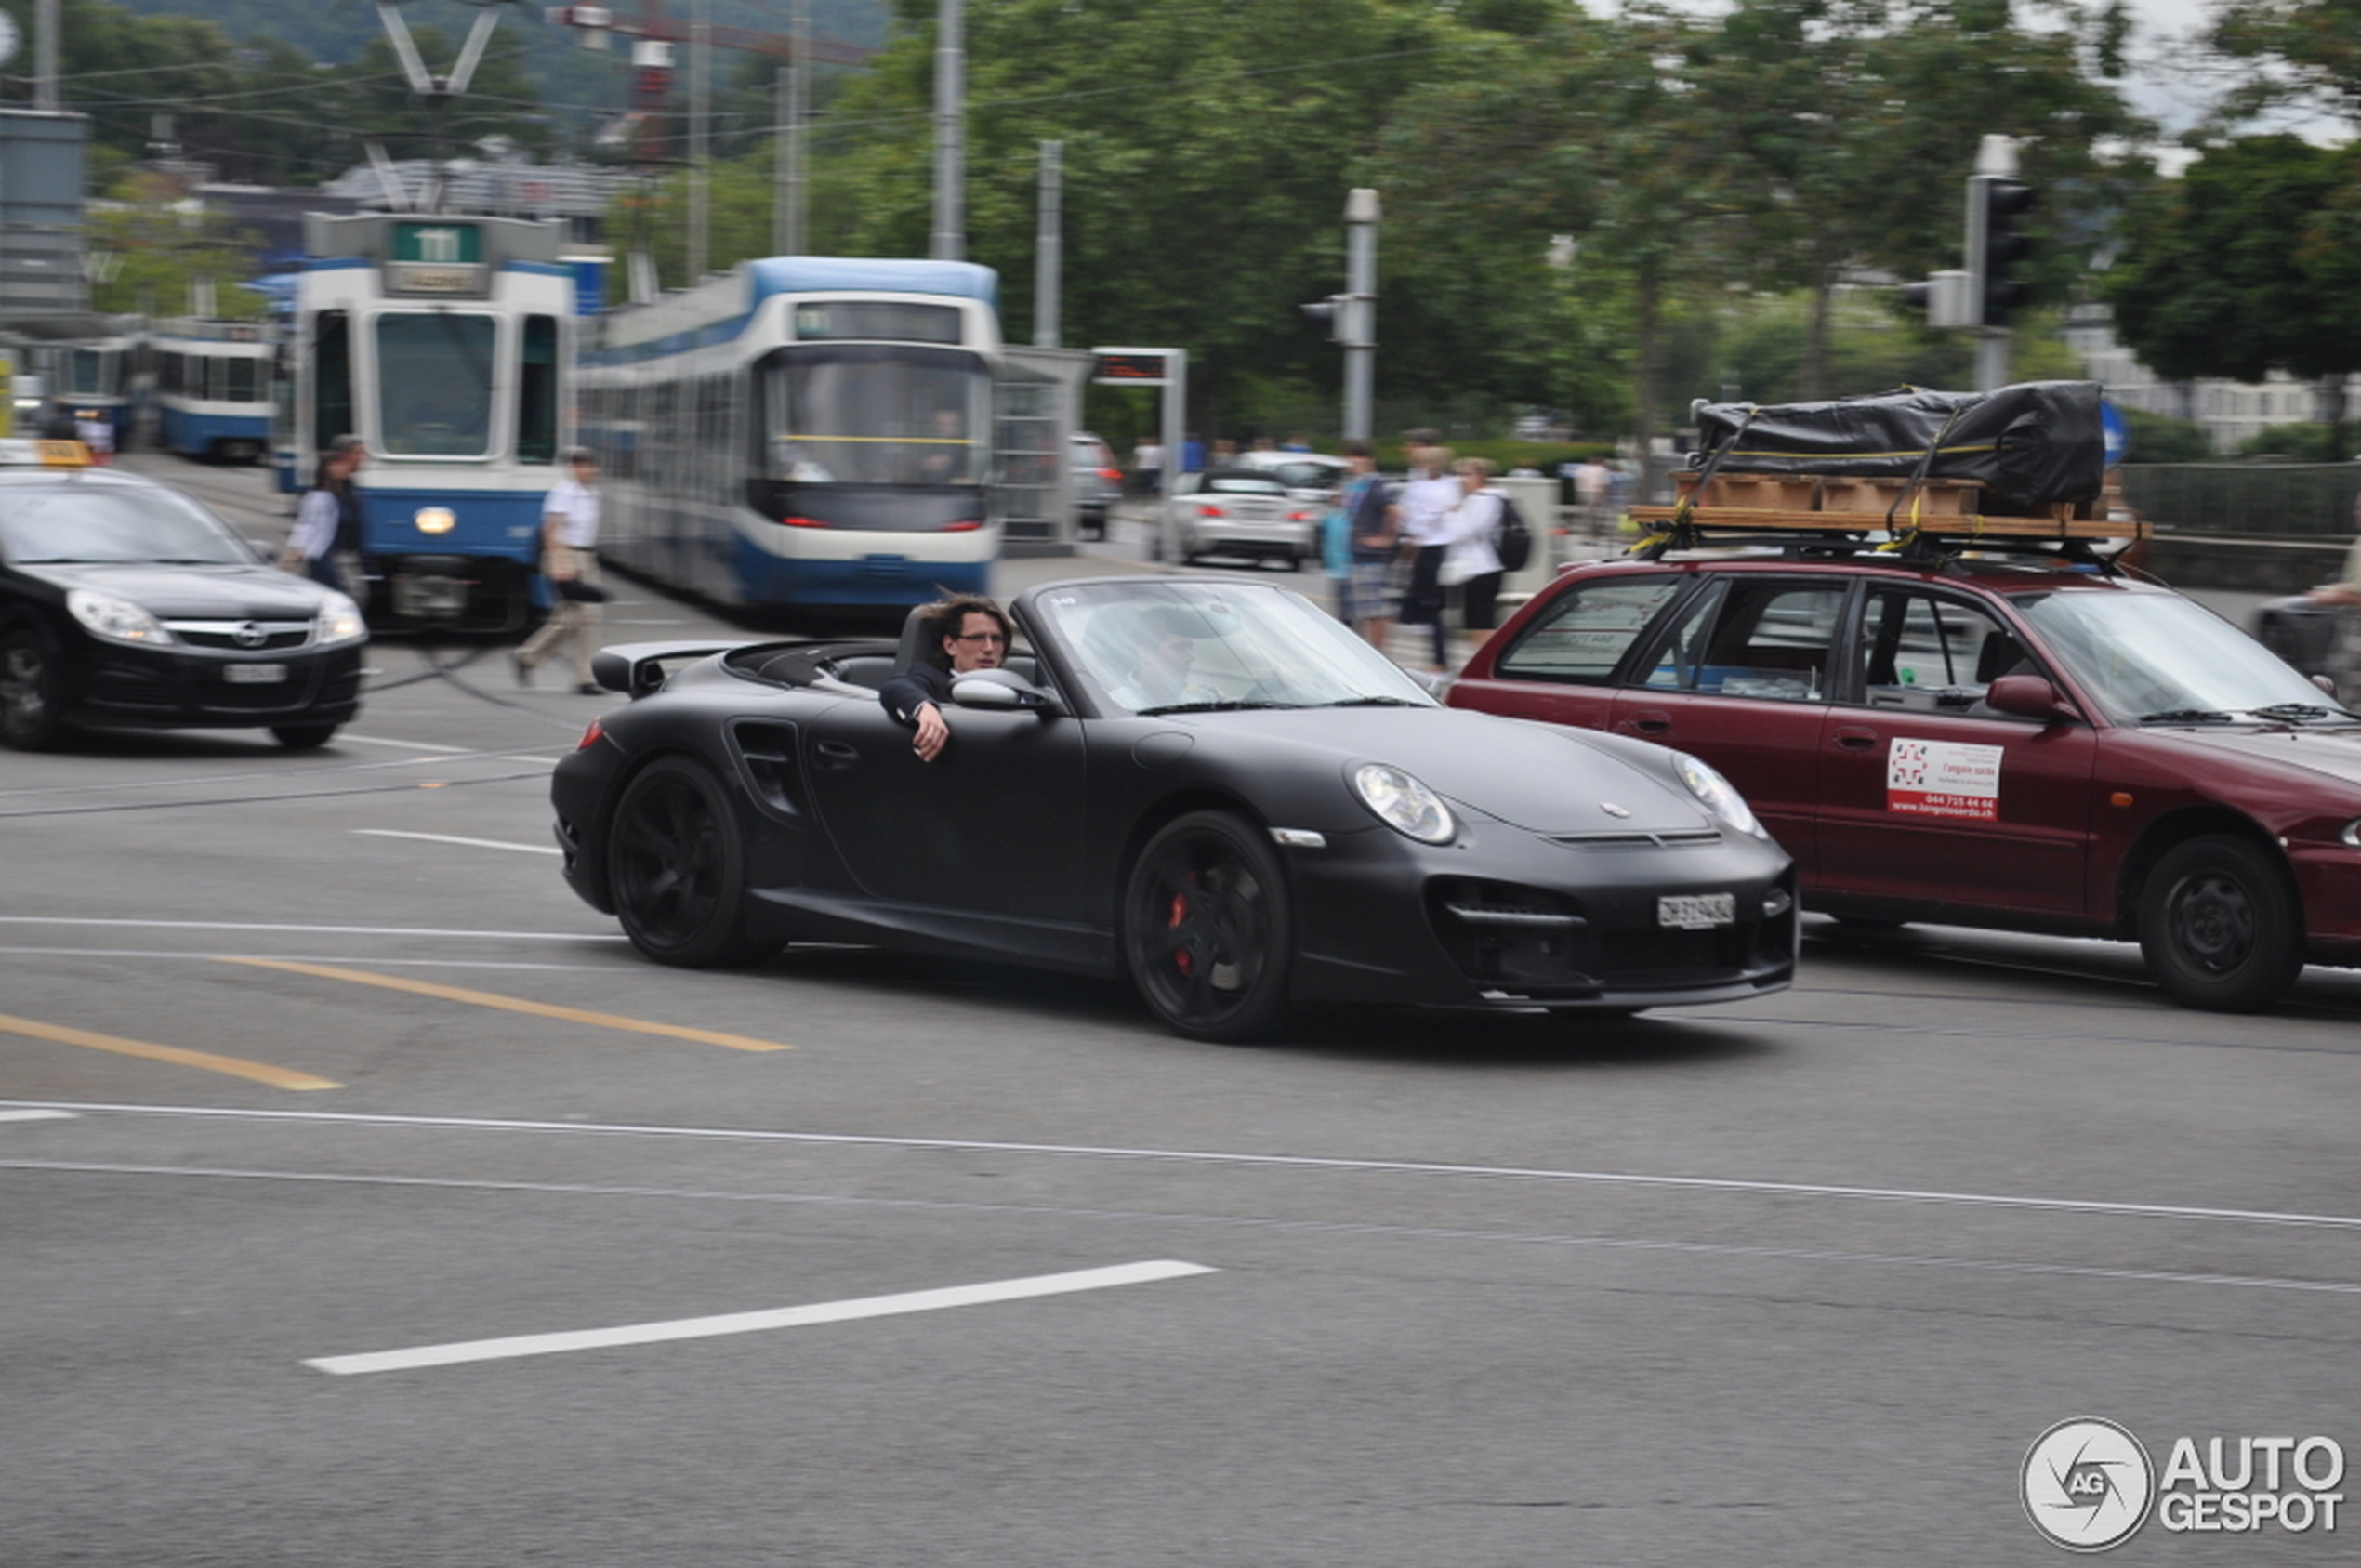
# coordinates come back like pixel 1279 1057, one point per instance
pixel 973 634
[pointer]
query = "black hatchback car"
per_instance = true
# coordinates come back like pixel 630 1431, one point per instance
pixel 123 602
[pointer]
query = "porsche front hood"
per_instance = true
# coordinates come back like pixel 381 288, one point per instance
pixel 1537 776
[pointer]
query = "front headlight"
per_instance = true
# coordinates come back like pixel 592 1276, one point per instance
pixel 1403 804
pixel 434 520
pixel 338 621
pixel 1720 796
pixel 117 620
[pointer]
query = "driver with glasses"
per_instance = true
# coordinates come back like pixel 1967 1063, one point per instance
pixel 974 634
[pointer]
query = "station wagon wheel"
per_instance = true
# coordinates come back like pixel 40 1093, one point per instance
pixel 676 863
pixel 29 718
pixel 2220 925
pixel 1206 929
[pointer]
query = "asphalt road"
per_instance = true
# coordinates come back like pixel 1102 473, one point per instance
pixel 324 1107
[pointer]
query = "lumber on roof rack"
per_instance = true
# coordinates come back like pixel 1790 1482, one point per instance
pixel 1846 504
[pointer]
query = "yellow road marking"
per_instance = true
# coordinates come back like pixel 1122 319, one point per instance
pixel 516 1005
pixel 261 1071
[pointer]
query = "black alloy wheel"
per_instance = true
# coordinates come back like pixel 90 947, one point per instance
pixel 1206 929
pixel 2219 925
pixel 676 864
pixel 30 719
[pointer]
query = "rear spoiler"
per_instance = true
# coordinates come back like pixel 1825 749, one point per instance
pixel 637 668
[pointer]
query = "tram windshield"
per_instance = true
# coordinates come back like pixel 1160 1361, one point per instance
pixel 876 414
pixel 434 383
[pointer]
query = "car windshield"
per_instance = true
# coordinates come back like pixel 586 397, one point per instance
pixel 1176 647
pixel 76 523
pixel 2161 658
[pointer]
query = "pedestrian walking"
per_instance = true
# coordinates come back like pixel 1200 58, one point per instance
pixel 325 544
pixel 570 560
pixel 1426 501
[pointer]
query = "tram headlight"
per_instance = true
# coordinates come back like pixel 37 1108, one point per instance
pixel 435 519
pixel 338 621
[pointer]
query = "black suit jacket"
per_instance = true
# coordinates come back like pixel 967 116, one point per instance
pixel 921 683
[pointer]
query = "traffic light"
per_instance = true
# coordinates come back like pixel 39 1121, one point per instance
pixel 1998 247
pixel 1330 313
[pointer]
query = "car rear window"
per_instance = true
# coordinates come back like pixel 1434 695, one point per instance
pixel 1584 632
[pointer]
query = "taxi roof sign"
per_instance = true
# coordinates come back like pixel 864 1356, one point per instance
pixel 20 453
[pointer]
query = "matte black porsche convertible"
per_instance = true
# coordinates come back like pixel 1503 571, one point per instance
pixel 1210 785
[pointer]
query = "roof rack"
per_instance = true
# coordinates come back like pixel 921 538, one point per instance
pixel 1917 517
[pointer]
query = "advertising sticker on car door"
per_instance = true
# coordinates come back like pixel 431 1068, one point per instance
pixel 1944 779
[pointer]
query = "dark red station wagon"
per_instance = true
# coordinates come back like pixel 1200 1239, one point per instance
pixel 2032 743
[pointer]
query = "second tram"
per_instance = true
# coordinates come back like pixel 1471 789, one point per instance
pixel 444 343
pixel 212 390
pixel 809 433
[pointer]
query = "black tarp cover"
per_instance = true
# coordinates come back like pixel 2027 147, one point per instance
pixel 2030 444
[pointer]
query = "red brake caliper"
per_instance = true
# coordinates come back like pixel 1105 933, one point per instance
pixel 1179 912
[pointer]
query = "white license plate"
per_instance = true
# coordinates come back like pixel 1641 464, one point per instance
pixel 254 675
pixel 1698 912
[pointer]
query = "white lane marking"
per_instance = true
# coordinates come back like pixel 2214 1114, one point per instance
pixel 450 838
pixel 373 960
pixel 1280 1162
pixel 404 746
pixel 36 1116
pixel 1242 1222
pixel 323 930
pixel 752 1322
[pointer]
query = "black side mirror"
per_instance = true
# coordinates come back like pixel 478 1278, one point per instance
pixel 1002 689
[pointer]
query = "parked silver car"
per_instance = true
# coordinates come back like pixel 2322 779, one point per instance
pixel 1237 512
pixel 1096 480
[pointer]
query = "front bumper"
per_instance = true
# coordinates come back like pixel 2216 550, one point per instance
pixel 181 687
pixel 1503 918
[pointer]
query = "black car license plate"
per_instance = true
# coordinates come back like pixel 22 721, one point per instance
pixel 1697 912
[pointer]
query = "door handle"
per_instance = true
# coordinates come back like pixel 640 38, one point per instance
pixel 836 754
pixel 1856 740
pixel 1650 721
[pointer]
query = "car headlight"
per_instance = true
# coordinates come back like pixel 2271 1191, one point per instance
pixel 338 621
pixel 1720 796
pixel 1403 804
pixel 117 620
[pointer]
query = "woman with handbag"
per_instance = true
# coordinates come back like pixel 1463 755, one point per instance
pixel 570 558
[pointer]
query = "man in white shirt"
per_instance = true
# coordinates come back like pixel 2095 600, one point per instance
pixel 570 559
pixel 1425 506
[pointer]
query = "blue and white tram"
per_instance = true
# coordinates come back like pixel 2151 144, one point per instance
pixel 84 364
pixel 444 342
pixel 213 388
pixel 809 431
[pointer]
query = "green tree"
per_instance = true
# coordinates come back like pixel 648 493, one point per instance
pixel 2244 266
pixel 1204 169
pixel 149 245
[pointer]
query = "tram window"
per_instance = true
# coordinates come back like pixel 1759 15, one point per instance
pixel 537 392
pixel 434 383
pixel 239 374
pixel 332 379
pixel 876 416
